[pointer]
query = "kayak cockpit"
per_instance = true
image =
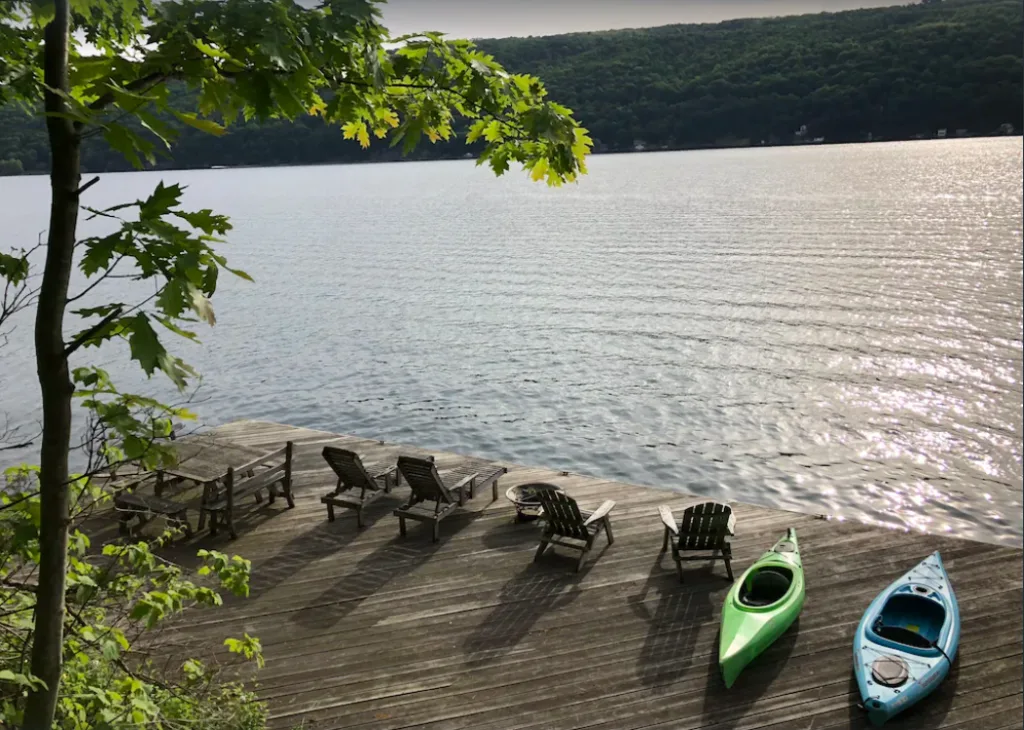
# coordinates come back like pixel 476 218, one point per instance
pixel 766 586
pixel 910 621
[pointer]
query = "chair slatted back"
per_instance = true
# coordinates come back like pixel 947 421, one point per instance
pixel 423 479
pixel 704 526
pixel 562 514
pixel 349 468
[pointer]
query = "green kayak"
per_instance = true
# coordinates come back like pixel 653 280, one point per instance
pixel 760 606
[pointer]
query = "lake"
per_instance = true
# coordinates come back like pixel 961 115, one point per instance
pixel 831 329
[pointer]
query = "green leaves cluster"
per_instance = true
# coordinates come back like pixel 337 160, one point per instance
pixel 279 59
pixel 173 248
pixel 115 595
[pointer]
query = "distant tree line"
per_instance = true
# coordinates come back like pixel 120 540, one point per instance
pixel 888 73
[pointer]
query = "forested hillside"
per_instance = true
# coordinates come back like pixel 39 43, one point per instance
pixel 890 73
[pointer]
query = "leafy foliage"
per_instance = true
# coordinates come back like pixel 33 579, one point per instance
pixel 114 596
pixel 266 60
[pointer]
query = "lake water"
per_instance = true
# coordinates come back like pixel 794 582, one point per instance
pixel 831 329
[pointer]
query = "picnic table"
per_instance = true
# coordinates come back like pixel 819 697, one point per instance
pixel 204 460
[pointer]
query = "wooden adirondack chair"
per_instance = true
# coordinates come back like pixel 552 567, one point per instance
pixel 567 525
pixel 705 527
pixel 446 493
pixel 358 486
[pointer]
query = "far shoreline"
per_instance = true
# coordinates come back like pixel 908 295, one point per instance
pixel 469 156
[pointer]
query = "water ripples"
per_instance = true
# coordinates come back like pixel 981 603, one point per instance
pixel 831 329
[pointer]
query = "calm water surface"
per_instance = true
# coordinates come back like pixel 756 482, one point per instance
pixel 834 329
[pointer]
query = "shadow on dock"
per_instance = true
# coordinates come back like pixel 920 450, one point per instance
pixel 391 561
pixel 538 589
pixel 674 625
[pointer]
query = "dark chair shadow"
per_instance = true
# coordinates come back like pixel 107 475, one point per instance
pixel 326 538
pixel 511 534
pixel 674 624
pixel 536 590
pixel 396 558
pixel 725 708
pixel 929 713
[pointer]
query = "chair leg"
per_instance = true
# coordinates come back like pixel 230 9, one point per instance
pixel 679 565
pixel 330 512
pixel 401 526
pixel 579 562
pixel 437 530
pixel 540 550
pixel 664 541
pixel 728 563
pixel 583 552
pixel 231 524
pixel 359 516
pixel 608 530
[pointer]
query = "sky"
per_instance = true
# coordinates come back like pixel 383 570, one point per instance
pixel 502 18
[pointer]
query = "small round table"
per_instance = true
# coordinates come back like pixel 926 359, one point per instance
pixel 527 500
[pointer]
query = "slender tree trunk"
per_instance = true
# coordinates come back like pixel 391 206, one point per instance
pixel 54 381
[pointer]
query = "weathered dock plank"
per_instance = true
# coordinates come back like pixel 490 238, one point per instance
pixel 364 629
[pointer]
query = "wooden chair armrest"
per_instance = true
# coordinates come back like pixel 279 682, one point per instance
pixel 601 512
pixel 464 481
pixel 668 519
pixel 730 527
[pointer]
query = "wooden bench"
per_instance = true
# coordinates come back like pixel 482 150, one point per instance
pixel 143 507
pixel 221 501
pixel 130 504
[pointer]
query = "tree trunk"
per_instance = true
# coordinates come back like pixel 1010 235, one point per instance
pixel 54 381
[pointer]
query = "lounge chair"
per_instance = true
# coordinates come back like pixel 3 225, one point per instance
pixel 705 527
pixel 358 486
pixel 567 525
pixel 434 496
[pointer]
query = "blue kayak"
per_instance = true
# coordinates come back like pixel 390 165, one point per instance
pixel 906 640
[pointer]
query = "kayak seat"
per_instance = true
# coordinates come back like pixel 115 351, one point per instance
pixel 910 620
pixel 765 587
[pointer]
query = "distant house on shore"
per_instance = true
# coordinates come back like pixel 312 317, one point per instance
pixel 941 134
pixel 1005 128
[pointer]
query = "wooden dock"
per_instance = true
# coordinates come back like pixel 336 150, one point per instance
pixel 364 629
